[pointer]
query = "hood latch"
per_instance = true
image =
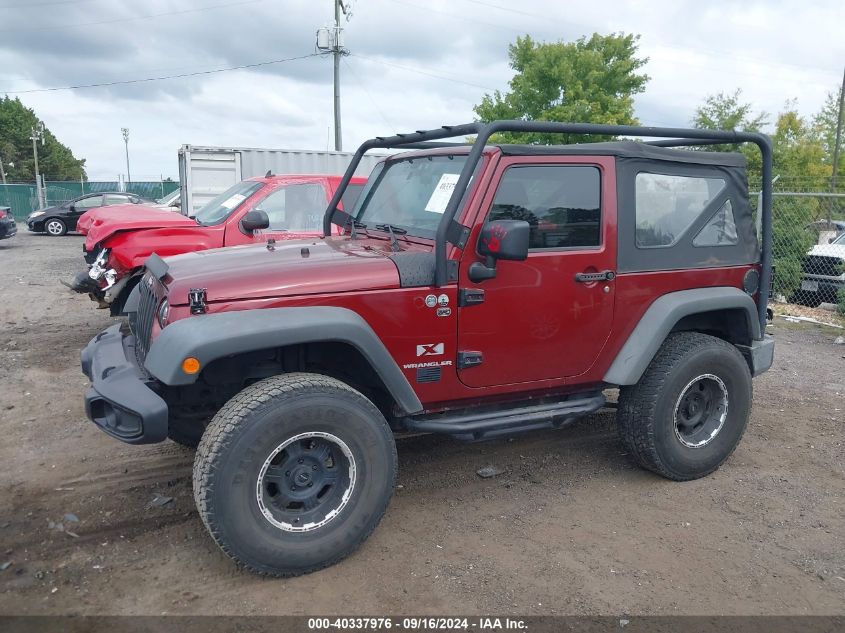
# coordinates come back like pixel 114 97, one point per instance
pixel 197 300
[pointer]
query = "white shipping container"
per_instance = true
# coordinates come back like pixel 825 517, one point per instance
pixel 205 171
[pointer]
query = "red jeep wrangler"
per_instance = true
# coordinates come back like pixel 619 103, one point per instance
pixel 274 207
pixel 479 291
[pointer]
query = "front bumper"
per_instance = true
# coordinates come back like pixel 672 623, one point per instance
pixel 8 228
pixel 759 355
pixel 120 400
pixel 36 226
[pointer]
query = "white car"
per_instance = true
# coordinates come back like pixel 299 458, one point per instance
pixel 823 273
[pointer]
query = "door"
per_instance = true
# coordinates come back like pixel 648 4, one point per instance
pixel 81 206
pixel 541 319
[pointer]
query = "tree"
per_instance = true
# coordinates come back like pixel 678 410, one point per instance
pixel 824 129
pixel 55 160
pixel 726 111
pixel 587 81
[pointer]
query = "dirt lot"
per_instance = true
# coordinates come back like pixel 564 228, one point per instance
pixel 570 527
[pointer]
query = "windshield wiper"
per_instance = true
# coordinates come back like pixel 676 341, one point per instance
pixel 353 233
pixel 393 230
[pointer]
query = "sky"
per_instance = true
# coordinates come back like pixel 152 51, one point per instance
pixel 413 64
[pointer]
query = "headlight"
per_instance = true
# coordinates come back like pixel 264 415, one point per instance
pixel 36 214
pixel 163 312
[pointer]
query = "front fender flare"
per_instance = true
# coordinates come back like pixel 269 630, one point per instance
pixel 662 315
pixel 214 336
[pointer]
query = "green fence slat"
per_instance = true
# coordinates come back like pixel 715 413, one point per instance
pixel 23 199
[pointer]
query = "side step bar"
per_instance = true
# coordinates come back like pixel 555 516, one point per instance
pixel 493 423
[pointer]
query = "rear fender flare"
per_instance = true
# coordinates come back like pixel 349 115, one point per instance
pixel 213 336
pixel 658 321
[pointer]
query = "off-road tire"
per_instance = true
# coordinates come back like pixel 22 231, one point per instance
pixel 646 413
pixel 57 223
pixel 246 431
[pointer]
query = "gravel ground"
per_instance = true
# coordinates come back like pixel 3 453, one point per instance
pixel 569 527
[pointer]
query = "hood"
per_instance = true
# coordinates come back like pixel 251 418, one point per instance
pixel 828 250
pixel 41 212
pixel 130 217
pixel 298 267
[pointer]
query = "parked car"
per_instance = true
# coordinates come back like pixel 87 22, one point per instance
pixel 60 219
pixel 170 203
pixel 823 273
pixel 475 292
pixel 8 226
pixel 279 207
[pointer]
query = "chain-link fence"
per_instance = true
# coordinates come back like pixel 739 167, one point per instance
pixel 23 198
pixel 809 248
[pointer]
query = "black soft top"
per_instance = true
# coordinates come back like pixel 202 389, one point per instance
pixel 629 149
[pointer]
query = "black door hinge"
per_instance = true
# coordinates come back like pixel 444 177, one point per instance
pixel 470 297
pixel 469 359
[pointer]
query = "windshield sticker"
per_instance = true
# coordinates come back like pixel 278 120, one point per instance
pixel 442 192
pixel 233 201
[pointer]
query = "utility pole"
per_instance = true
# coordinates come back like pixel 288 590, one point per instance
pixel 338 140
pixel 331 40
pixel 838 141
pixel 125 131
pixel 2 171
pixel 836 145
pixel 37 134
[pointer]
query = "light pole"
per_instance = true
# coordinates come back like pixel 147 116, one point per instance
pixel 125 131
pixel 37 134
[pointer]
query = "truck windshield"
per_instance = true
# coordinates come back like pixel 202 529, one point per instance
pixel 410 194
pixel 220 207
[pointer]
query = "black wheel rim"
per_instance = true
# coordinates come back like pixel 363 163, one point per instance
pixel 306 481
pixel 701 411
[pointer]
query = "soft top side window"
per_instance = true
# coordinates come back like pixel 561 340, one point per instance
pixel 667 206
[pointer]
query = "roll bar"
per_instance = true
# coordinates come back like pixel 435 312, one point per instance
pixel 670 137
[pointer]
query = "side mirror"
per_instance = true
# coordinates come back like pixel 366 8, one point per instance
pixel 505 239
pixel 500 239
pixel 254 221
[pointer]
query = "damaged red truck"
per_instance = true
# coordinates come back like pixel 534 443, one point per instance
pixel 475 291
pixel 273 207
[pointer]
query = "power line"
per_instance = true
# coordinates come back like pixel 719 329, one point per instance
pixel 363 87
pixel 32 5
pixel 147 16
pixel 148 79
pixel 422 72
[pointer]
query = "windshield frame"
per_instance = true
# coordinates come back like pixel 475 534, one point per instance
pixel 410 231
pixel 248 188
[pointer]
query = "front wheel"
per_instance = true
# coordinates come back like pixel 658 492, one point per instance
pixel 55 227
pixel 689 410
pixel 294 473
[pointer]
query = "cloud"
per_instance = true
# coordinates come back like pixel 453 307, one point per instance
pixel 414 64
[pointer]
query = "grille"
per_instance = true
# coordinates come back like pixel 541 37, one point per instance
pixel 825 266
pixel 141 321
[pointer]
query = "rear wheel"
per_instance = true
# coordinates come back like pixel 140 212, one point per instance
pixel 689 410
pixel 55 227
pixel 294 473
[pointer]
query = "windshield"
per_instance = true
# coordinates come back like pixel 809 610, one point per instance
pixel 170 198
pixel 839 240
pixel 220 207
pixel 410 194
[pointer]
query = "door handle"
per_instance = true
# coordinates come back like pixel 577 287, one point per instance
pixel 585 278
